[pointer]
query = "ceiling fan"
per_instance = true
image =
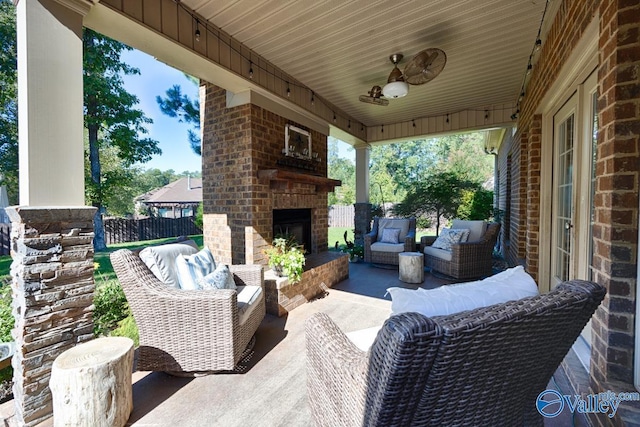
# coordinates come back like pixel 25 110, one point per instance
pixel 422 68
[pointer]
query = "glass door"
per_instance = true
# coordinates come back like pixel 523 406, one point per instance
pixel 562 233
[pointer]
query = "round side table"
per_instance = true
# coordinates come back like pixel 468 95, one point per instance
pixel 411 267
pixel 91 384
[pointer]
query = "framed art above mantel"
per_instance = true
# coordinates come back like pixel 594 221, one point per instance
pixel 297 143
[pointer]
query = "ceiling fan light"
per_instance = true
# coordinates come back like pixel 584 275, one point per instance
pixel 395 89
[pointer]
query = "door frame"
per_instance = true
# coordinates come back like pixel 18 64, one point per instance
pixel 582 62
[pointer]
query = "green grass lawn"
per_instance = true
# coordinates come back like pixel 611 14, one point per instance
pixel 5 264
pixel 336 234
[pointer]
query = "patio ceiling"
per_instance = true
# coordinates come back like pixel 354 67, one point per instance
pixel 340 49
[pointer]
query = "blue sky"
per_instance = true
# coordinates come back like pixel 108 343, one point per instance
pixel 154 79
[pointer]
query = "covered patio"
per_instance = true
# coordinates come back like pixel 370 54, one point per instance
pixel 270 389
pixel 529 73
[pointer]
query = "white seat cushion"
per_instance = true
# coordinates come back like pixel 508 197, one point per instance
pixel 387 247
pixel 161 260
pixel 364 338
pixel 476 228
pixel 438 253
pixel 248 296
pixel 511 284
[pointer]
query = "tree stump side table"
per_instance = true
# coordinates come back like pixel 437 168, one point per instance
pixel 411 267
pixel 91 384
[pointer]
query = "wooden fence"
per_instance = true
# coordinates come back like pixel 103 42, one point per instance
pixel 5 238
pixel 121 230
pixel 341 215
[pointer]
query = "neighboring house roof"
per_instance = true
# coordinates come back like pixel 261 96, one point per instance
pixel 184 190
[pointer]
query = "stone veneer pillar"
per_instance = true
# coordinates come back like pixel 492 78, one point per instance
pixel 361 221
pixel 53 287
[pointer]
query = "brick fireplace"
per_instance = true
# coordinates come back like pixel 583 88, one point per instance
pixel 246 179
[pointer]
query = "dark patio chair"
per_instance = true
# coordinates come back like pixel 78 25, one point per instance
pixel 483 367
pixel 468 260
pixel 379 251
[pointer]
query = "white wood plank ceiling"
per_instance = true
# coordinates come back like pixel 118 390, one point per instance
pixel 340 49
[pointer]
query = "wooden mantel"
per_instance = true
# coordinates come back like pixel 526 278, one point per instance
pixel 288 177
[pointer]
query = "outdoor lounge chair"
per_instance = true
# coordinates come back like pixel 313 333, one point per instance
pixel 468 260
pixel 189 330
pixel 483 367
pixel 378 249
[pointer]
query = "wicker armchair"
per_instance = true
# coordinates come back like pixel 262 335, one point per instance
pixel 483 367
pixel 387 253
pixel 468 260
pixel 184 330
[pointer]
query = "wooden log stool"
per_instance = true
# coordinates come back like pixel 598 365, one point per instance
pixel 91 384
pixel 411 267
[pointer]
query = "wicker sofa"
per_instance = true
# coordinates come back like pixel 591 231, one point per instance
pixel 468 260
pixel 479 367
pixel 189 331
pixel 379 252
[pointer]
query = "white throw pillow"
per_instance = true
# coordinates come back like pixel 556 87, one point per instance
pixel 193 268
pixel 449 237
pixel 511 284
pixel 161 260
pixel 390 235
pixel 220 278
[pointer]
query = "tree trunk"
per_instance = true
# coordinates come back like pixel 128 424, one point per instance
pixel 91 384
pixel 99 243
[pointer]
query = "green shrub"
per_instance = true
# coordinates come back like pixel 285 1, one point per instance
pixel 6 317
pixel 199 215
pixel 476 205
pixel 127 328
pixel 110 307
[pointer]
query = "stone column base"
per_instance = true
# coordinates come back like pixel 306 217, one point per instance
pixel 362 222
pixel 53 288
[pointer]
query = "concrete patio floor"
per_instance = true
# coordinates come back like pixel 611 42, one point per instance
pixel 272 389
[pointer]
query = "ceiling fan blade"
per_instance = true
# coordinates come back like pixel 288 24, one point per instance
pixel 374 100
pixel 425 66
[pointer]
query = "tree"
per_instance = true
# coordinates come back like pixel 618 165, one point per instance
pixel 405 163
pixel 344 170
pixel 439 194
pixel 110 120
pixel 8 101
pixel 177 104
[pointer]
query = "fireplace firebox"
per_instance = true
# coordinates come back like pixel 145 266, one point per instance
pixel 293 222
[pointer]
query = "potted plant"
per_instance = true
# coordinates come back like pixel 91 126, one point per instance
pixel 356 253
pixel 286 258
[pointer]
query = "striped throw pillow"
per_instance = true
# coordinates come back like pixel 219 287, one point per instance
pixel 194 268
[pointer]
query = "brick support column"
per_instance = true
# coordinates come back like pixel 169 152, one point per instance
pixel 616 199
pixel 534 165
pixel 239 142
pixel 53 287
pixel 217 237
